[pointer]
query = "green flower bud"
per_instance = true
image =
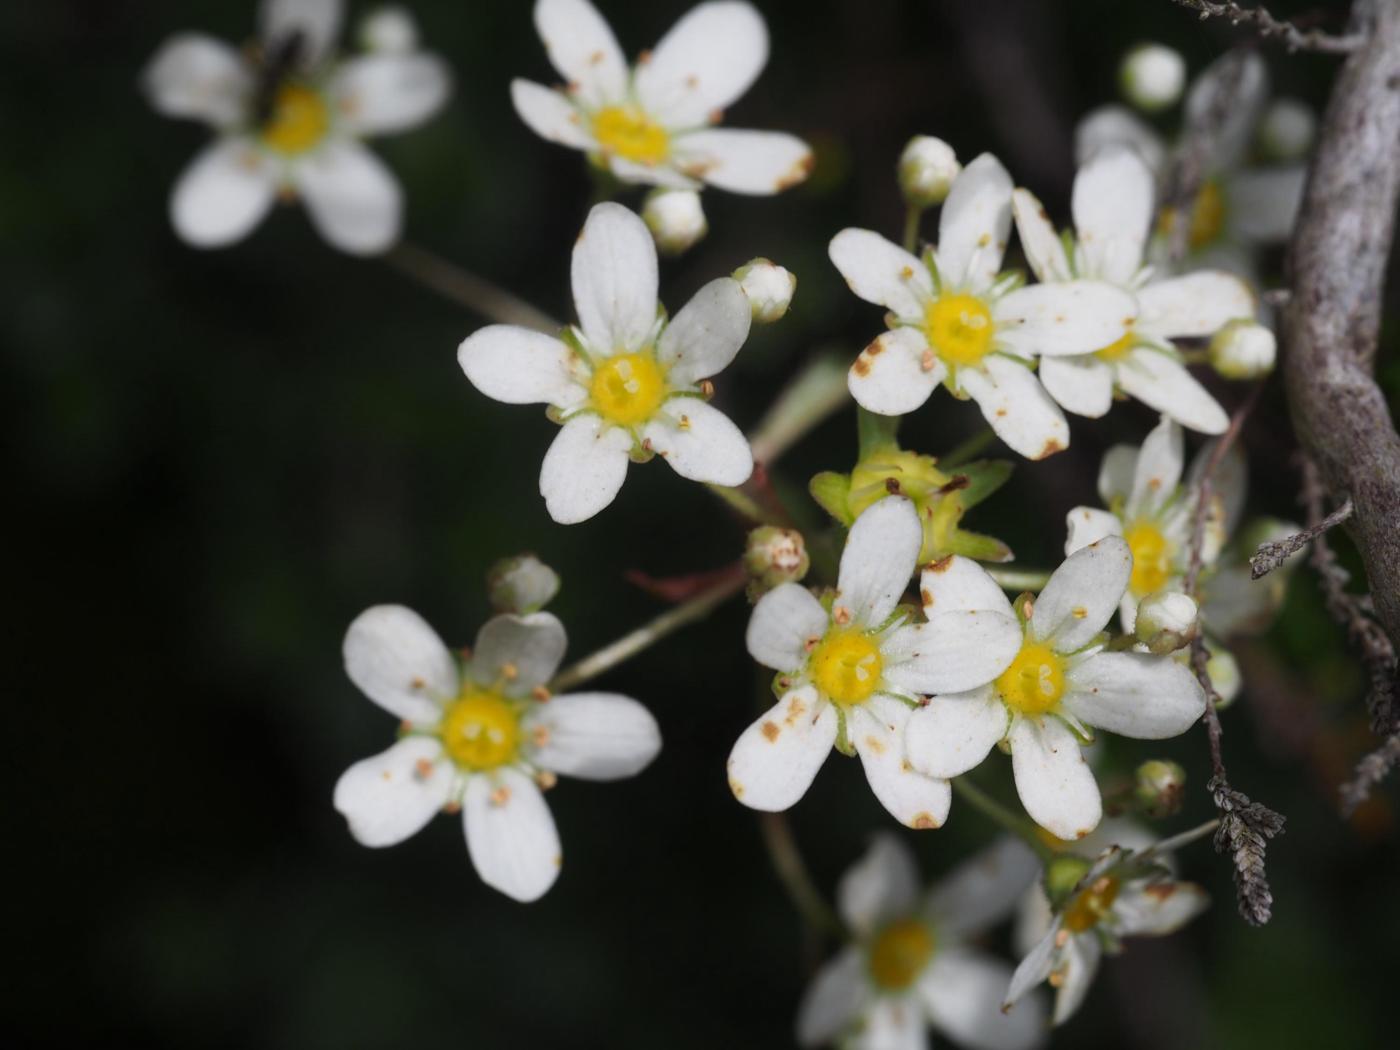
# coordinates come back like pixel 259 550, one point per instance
pixel 1062 874
pixel 1159 788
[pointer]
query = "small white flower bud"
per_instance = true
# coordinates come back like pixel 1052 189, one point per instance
pixel 1287 129
pixel 676 219
pixel 390 31
pixel 1223 670
pixel 770 289
pixel 1243 349
pixel 1167 621
pixel 1159 788
pixel 927 168
pixel 522 584
pixel 1152 76
pixel 774 556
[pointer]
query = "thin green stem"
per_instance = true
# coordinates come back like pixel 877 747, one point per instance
pixel 999 814
pixel 796 879
pixel 741 502
pixel 1018 580
pixel 818 392
pixel 464 288
pixel 1174 843
pixel 973 446
pixel 912 218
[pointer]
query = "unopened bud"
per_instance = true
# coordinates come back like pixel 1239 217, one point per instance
pixel 770 289
pixel 522 584
pixel 389 31
pixel 1159 788
pixel 774 556
pixel 1223 670
pixel 1167 621
pixel 927 168
pixel 1062 874
pixel 1287 129
pixel 1243 349
pixel 1152 76
pixel 676 219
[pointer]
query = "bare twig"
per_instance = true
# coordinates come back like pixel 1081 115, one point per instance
pixel 1294 37
pixel 1274 553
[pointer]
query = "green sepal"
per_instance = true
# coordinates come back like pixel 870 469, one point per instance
pixel 832 491
pixel 843 739
pixel 983 478
pixel 978 547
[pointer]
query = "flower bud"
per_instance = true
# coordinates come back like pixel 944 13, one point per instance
pixel 927 168
pixel 1159 788
pixel 769 287
pixel 389 31
pixel 774 556
pixel 522 584
pixel 1223 670
pixel 1167 621
pixel 1152 76
pixel 1062 874
pixel 675 218
pixel 1243 349
pixel 1287 129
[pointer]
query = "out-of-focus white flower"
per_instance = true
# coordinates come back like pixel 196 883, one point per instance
pixel 390 30
pixel 1060 684
pixel 522 584
pixel 955 319
pixel 770 289
pixel 485 738
pixel 653 123
pixel 1288 129
pixel 1159 788
pixel 913 966
pixel 927 169
pixel 1243 350
pixel 676 219
pixel 1152 76
pixel 1166 621
pixel 626 382
pixel 852 672
pixel 289 123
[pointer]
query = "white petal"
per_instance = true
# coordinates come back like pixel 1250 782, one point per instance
pixel 954 733
pixel 699 442
pixel 381 94
pixel 881 550
pixel 1135 694
pixel 596 736
pixel 510 834
pixel 957 650
pixel 1060 319
pixel 650 174
pixel 754 162
pixel 1034 968
pixel 400 663
pixel 193 75
pixel 550 114
pixel 1161 382
pixel 583 469
pixel 1157 471
pixel 1237 604
pixel 1110 126
pixel 1156 910
pixel 975 224
pixel 1116 473
pixel 517 653
pixel 521 367
pixel 614 280
pixel 1042 245
pixel 1262 206
pixel 1229 482
pixel 960 583
pixel 1247 95
pixel 882 273
pixel 1056 785
pixel 317 23
pixel 1017 406
pixel 783 622
pixel 583 49
pixel 391 796
pixel 1081 962
pixel 1082 385
pixel 1088 525
pixel 223 194
pixel 963 989
pixel 981 891
pixel 775 760
pixel 707 60
pixel 890 378
pixel 834 999
pixel 354 200
pixel 1112 208
pixel 1194 304
pixel 883 885
pixel 704 336
pixel 1082 595
pixel 914 799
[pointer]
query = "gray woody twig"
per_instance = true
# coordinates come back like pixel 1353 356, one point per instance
pixel 1294 38
pixel 1274 553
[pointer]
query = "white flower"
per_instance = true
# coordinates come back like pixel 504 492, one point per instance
pixel 851 673
pixel 1243 350
pixel 485 738
pixel 1112 206
pixel 1062 682
pixel 927 169
pixel 1152 76
pixel 770 289
pixel 652 123
pixel 676 219
pixel 954 319
pixel 912 965
pixel 624 382
pixel 289 123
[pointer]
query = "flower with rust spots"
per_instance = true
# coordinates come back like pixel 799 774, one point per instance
pixel 853 669
pixel 956 319
pixel 912 964
pixel 626 383
pixel 484 737
pixel 1060 683
pixel 289 118
pixel 653 123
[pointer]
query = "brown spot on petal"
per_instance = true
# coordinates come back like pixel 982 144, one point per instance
pixel 540 693
pixel 597 58
pixel 422 769
pixel 926 596
pixel 875 349
pixel 927 361
pixel 923 821
pixel 1079 612
pixel 984 240
pixel 1001 413
pixel 500 796
pixel 417 683
pixel 545 779
pixel 1051 447
pixel 862 366
pixel 942 564
pixel 875 744
pixel 539 736
pixel 797 173
pixel 771 731
pixel 452 807
pixel 1163 891
pixel 841 615
pixel 510 672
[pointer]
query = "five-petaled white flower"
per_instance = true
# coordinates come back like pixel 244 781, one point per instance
pixel 911 965
pixel 289 118
pixel 486 737
pixel 852 672
pixel 954 318
pixel 652 123
pixel 625 382
pixel 1060 683
pixel 1112 206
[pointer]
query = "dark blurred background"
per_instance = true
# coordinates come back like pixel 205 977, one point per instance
pixel 216 460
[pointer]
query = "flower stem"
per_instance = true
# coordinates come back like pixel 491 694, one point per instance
pixel 743 504
pixel 461 286
pixel 1184 839
pixel 796 879
pixel 818 391
pixel 999 814
pixel 1018 580
pixel 912 218
pixel 969 448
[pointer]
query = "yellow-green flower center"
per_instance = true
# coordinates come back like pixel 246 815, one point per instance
pixel 1207 220
pixel 481 731
pixel 959 328
pixel 627 132
pixel 1152 558
pixel 900 953
pixel 846 666
pixel 1035 681
pixel 628 389
pixel 1089 906
pixel 299 119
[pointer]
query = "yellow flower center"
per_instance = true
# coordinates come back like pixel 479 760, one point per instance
pixel 1152 558
pixel 481 731
pixel 959 328
pixel 1207 216
pixel 628 388
pixel 1089 906
pixel 630 134
pixel 1035 681
pixel 1118 349
pixel 846 666
pixel 900 953
pixel 299 119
